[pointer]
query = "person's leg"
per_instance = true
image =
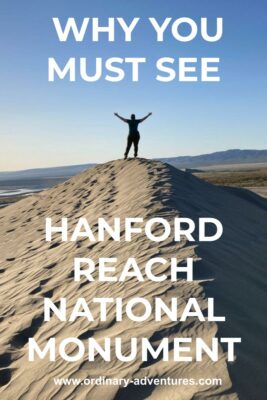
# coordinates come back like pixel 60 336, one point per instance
pixel 136 141
pixel 129 144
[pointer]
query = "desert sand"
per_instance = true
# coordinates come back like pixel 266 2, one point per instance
pixel 232 270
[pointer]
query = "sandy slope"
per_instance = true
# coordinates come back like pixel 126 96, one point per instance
pixel 233 270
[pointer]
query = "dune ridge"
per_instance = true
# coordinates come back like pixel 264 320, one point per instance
pixel 232 270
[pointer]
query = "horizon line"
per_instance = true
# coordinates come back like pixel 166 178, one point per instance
pixel 154 158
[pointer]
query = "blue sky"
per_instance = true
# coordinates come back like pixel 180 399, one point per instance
pixel 62 123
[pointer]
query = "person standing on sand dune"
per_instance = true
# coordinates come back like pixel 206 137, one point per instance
pixel 134 135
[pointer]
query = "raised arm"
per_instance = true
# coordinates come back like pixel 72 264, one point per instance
pixel 143 119
pixel 123 119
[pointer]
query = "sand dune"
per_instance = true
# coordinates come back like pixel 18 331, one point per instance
pixel 232 270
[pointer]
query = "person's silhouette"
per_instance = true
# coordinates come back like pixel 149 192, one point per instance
pixel 134 135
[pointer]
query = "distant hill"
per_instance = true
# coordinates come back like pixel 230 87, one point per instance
pixel 219 158
pixel 235 156
pixel 53 172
